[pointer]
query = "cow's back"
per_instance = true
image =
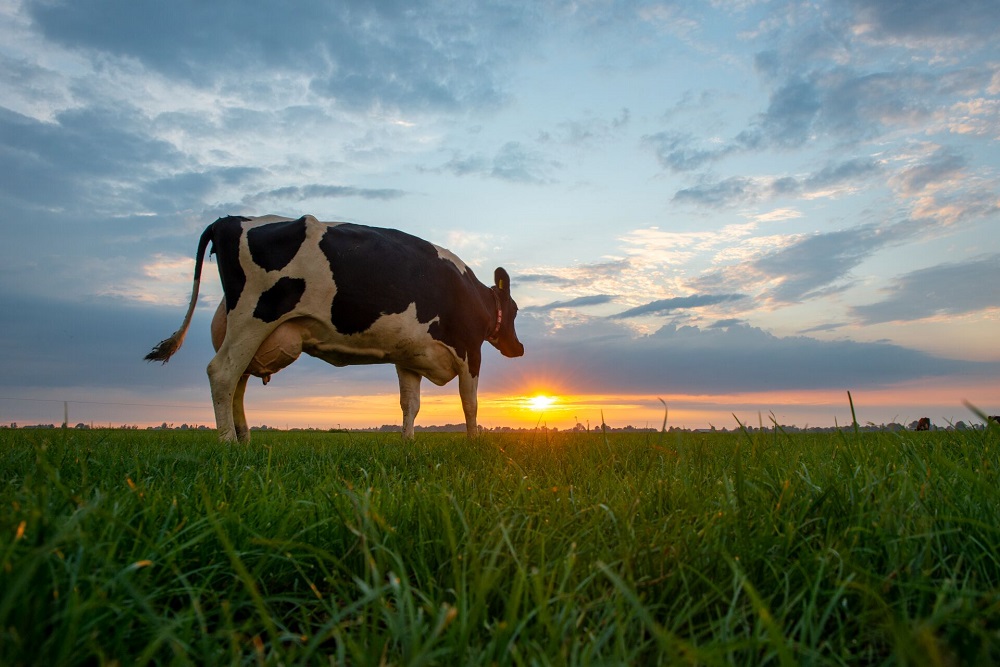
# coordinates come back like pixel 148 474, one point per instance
pixel 385 271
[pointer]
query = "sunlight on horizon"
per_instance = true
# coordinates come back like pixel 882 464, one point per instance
pixel 540 402
pixel 549 405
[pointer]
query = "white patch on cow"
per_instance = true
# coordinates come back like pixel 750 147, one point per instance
pixel 444 253
pixel 398 338
pixel 309 263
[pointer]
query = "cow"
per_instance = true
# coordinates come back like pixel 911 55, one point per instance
pixel 347 294
pixel 924 424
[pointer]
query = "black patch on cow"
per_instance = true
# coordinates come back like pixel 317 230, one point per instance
pixel 272 246
pixel 280 299
pixel 226 234
pixel 382 271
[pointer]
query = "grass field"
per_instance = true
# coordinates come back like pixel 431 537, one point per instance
pixel 309 548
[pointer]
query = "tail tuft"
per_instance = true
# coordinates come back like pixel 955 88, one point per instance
pixel 165 349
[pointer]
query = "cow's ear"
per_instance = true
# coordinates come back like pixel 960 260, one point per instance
pixel 502 280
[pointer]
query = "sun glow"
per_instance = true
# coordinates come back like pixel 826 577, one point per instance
pixel 540 402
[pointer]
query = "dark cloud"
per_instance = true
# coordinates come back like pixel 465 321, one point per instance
pixel 171 192
pixel 921 19
pixel 578 302
pixel 719 360
pixel 804 268
pixel 92 158
pixel 738 190
pixel 664 306
pixel 812 266
pixel 723 324
pixel 32 81
pixel 942 165
pixel 431 56
pixel 824 85
pixel 729 191
pixel 513 162
pixel 299 193
pixel 545 279
pixel 946 289
pixel 99 344
pixel 789 116
pixel 580 277
pixel 841 103
pixel 830 326
pixel 838 173
pixel 677 151
pixel 587 131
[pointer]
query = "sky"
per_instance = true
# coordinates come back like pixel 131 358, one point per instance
pixel 737 209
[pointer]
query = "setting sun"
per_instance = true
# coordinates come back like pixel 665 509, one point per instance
pixel 540 402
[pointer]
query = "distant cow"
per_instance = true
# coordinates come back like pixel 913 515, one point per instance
pixel 347 294
pixel 924 424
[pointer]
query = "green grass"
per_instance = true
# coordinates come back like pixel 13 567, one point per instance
pixel 307 548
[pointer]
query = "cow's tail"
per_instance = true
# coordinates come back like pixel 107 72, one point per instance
pixel 166 348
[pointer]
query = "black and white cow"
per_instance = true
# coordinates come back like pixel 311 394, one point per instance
pixel 347 294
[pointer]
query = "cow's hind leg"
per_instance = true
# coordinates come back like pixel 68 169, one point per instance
pixel 409 398
pixel 239 416
pixel 226 372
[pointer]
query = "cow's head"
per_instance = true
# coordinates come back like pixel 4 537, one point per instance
pixel 505 338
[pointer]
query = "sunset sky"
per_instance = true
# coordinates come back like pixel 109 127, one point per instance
pixel 744 208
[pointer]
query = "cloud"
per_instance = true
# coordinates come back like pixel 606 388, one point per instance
pixel 513 162
pixel 913 22
pixel 839 103
pixel 844 104
pixel 720 360
pixel 946 289
pixel 726 323
pixel 546 279
pixel 801 270
pixel 808 266
pixel 94 158
pixel 829 326
pixel 578 302
pixel 829 179
pixel 587 131
pixel 941 166
pixel 677 152
pixel 729 191
pixel 435 57
pixel 665 306
pixel 298 193
pixel 939 184
pixel 635 274
pixel 829 82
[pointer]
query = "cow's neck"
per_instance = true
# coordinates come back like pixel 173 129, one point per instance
pixel 493 333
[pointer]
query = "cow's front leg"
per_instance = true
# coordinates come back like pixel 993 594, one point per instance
pixel 468 389
pixel 409 398
pixel 239 416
